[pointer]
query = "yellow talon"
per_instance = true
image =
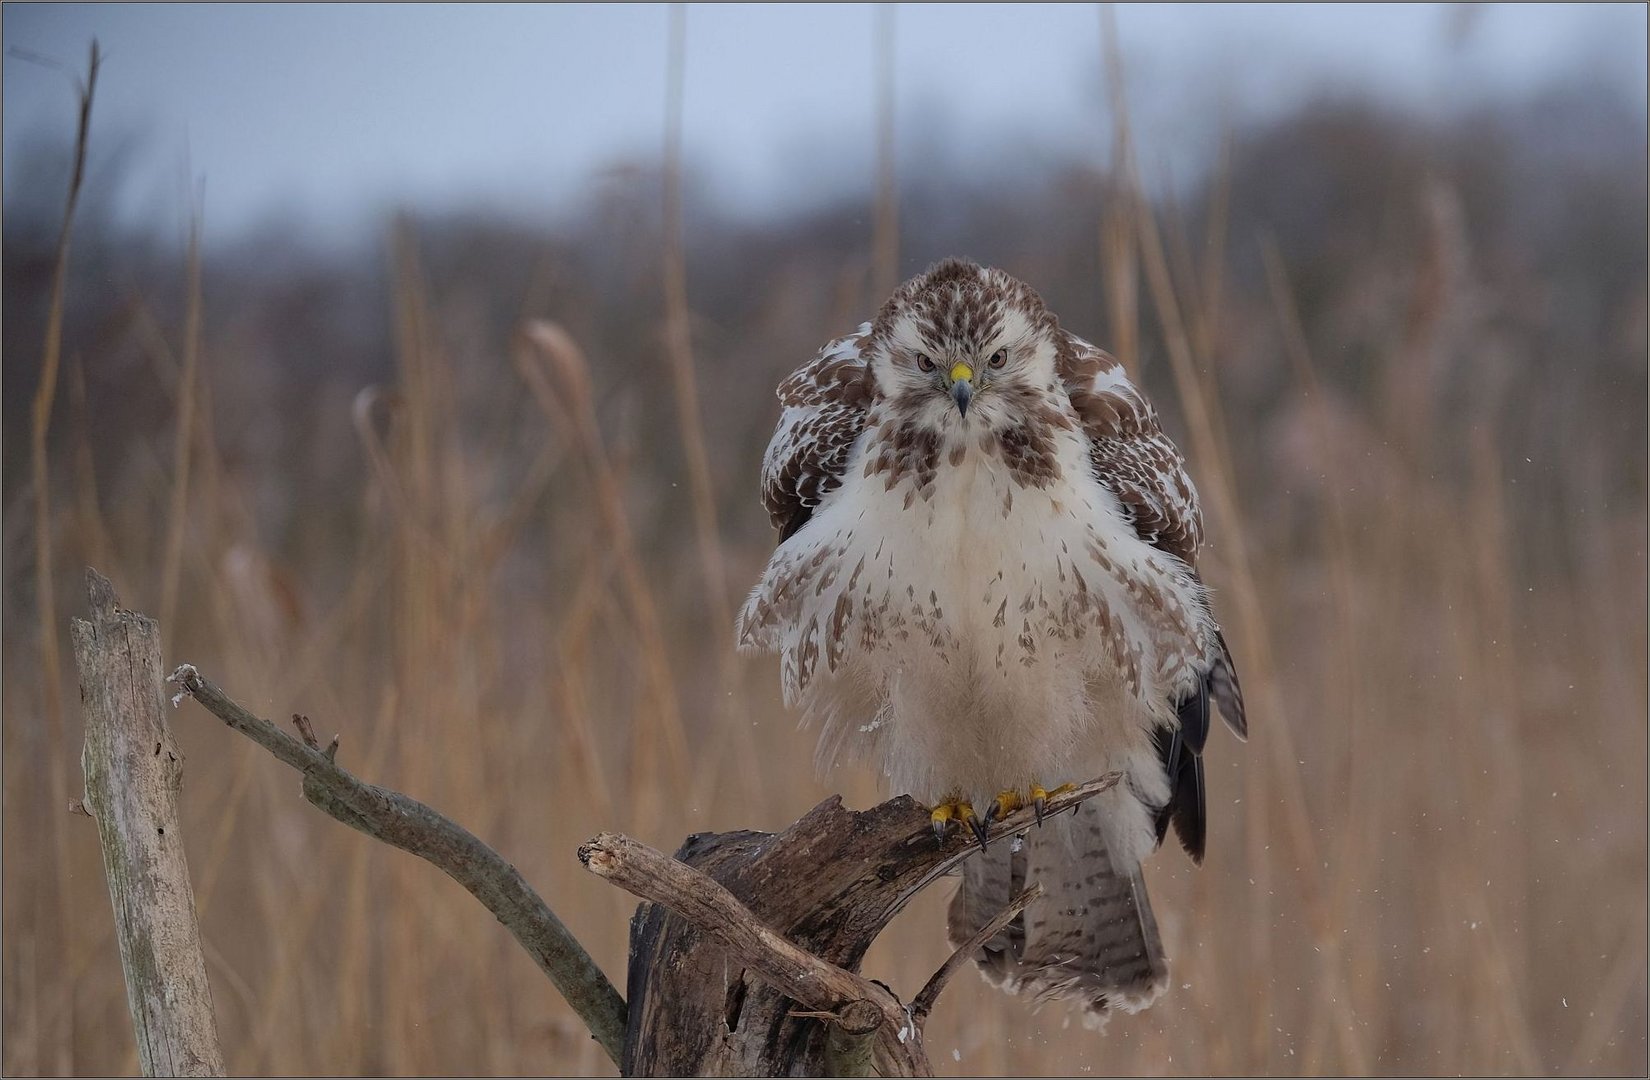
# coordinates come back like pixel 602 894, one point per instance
pixel 956 809
pixel 965 814
pixel 941 817
pixel 1005 803
pixel 1040 797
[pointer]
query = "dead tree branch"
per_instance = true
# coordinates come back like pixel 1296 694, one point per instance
pixel 410 825
pixel 923 1003
pixel 133 773
pixel 743 927
pixel 830 992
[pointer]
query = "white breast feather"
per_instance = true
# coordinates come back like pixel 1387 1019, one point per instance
pixel 985 637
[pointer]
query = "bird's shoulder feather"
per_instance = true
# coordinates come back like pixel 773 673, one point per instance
pixel 824 405
pixel 1128 451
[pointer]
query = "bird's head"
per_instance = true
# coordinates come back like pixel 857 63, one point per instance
pixel 963 345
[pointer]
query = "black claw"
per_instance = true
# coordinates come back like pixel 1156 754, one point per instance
pixel 979 828
pixel 1037 806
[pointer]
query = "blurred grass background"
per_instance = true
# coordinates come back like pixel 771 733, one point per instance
pixel 1407 359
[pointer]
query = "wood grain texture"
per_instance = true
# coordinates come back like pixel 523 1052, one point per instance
pixel 849 1004
pixel 133 773
pixel 703 1002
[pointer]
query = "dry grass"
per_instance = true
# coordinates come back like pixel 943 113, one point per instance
pixel 1429 858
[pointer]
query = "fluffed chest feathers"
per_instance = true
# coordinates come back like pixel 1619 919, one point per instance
pixel 1005 531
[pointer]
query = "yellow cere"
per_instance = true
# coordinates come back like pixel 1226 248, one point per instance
pixel 961 372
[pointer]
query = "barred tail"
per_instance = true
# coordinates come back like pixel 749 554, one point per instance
pixel 1089 938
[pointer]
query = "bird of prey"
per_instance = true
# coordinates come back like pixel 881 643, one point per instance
pixel 986 584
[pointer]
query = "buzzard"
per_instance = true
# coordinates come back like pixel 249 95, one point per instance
pixel 986 584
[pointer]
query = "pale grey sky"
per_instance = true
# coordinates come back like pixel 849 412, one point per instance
pixel 334 113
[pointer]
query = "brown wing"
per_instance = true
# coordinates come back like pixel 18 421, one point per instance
pixel 1131 455
pixel 1135 461
pixel 824 405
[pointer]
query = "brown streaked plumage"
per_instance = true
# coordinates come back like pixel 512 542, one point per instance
pixel 986 580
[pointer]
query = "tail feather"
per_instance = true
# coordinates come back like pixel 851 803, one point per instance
pixel 991 878
pixel 1090 937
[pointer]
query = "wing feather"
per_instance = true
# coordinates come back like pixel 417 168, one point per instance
pixel 824 405
pixel 1181 752
pixel 1130 454
pixel 1137 462
pixel 1228 694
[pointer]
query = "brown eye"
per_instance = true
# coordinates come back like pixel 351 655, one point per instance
pixel 924 364
pixel 999 358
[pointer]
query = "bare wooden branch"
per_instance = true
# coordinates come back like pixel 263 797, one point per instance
pixel 923 1003
pixel 133 772
pixel 410 825
pixel 850 1044
pixel 653 875
pixel 829 991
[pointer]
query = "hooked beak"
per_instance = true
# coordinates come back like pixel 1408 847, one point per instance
pixel 962 386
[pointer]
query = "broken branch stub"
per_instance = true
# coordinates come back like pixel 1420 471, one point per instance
pixel 133 772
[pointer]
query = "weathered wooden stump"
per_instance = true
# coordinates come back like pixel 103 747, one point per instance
pixel 830 883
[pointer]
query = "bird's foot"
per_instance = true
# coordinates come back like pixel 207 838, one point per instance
pixel 1007 801
pixel 956 808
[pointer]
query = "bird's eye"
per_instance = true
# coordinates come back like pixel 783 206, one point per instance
pixel 999 358
pixel 923 363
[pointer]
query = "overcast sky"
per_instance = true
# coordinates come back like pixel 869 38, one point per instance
pixel 333 113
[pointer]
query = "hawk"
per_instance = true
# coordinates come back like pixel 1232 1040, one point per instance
pixel 985 583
